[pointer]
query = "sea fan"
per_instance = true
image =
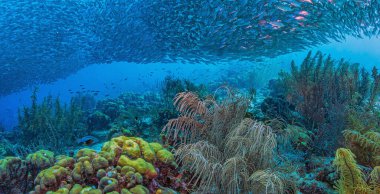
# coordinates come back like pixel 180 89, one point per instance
pixel 221 148
pixel 267 181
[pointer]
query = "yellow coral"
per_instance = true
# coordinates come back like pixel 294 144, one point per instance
pixel 131 148
pixel 166 157
pixel 139 189
pixel 131 144
pixel 146 150
pixel 99 162
pixel 125 191
pixel 86 152
pixel 41 159
pixel 65 161
pixel 89 190
pixel 352 180
pixel 59 191
pixel 108 184
pixel 110 157
pixel 366 146
pixel 135 147
pixel 77 188
pixel 156 146
pixel 126 169
pixel 50 179
pixel 119 167
pixel 82 169
pixel 141 166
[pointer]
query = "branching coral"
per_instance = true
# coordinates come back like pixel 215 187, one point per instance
pixel 321 83
pixel 352 179
pixel 222 149
pixel 45 125
pixel 323 91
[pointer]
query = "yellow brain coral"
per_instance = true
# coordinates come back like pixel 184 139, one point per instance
pixel 123 166
pixel 50 178
pixel 131 148
pixel 135 147
pixel 166 157
pixel 141 166
pixel 41 159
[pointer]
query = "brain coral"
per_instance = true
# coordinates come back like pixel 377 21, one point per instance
pixel 124 165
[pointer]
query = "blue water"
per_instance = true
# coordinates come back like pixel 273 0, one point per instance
pixel 110 78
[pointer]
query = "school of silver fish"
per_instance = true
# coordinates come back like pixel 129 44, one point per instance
pixel 42 41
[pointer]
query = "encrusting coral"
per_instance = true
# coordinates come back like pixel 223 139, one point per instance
pixel 124 165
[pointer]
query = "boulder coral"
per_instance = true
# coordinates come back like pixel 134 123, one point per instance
pixel 17 175
pixel 39 160
pixel 124 165
pixel 13 175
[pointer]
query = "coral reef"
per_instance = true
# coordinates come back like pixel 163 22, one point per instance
pixel 13 175
pixel 256 141
pixel 38 161
pixel 142 115
pixel 224 151
pixel 124 165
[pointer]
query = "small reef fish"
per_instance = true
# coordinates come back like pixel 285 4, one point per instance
pixel 87 140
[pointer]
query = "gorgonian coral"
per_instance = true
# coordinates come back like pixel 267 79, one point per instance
pixel 224 151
